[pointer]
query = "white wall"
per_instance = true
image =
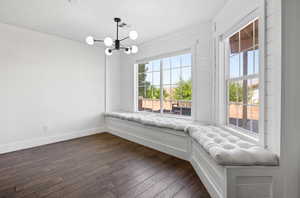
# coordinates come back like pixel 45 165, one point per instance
pixel 291 97
pixel 233 12
pixel 113 82
pixel 197 39
pixel 49 87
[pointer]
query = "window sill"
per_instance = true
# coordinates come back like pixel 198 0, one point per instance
pixel 254 138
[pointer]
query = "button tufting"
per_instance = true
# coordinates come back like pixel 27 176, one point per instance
pixel 228 146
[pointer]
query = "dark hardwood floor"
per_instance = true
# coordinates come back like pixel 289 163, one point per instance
pixel 101 165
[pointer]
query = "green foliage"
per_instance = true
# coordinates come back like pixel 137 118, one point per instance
pixel 153 92
pixel 142 74
pixel 183 91
pixel 235 92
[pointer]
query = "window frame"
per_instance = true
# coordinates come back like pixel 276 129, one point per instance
pixel 259 14
pixel 161 57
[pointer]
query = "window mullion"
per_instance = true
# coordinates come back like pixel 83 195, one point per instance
pixel 161 87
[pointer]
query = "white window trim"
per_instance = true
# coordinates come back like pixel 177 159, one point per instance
pixel 166 55
pixel 259 138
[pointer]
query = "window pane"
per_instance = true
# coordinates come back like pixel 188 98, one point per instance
pixel 242 64
pixel 156 78
pixel 256 61
pixel 142 92
pixel 247 37
pixel 245 112
pixel 145 102
pixel 176 84
pixel 233 92
pixel 235 114
pixel 148 67
pixel 177 92
pixel 248 117
pixel 253 116
pixel 156 65
pixel 185 87
pixel 256 32
pixel 175 78
pixel 240 91
pixel 149 78
pixel 141 79
pixel 167 106
pixel 167 92
pixel 185 107
pixel 186 59
pixel 243 121
pixel 142 68
pixel 156 99
pixel 155 92
pixel 149 91
pixel 167 77
pixel 175 61
pixel 253 91
pixel 186 73
pixel 234 43
pixel 251 60
pixel 234 67
pixel 166 64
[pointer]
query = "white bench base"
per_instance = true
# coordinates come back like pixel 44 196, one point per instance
pixel 172 142
pixel 220 181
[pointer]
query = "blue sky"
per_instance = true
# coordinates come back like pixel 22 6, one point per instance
pixel 236 67
pixel 170 76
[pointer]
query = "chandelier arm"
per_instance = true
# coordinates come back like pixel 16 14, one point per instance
pixel 127 37
pixel 97 40
pixel 122 45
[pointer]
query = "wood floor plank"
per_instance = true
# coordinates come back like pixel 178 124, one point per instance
pixel 100 165
pixel 175 187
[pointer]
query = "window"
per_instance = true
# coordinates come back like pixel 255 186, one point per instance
pixel 243 78
pixel 165 85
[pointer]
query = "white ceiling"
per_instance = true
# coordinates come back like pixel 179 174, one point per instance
pixel 76 20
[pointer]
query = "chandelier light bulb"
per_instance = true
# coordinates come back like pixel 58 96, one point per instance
pixel 133 35
pixel 90 40
pixel 134 49
pixel 108 41
pixel 108 52
pixel 127 51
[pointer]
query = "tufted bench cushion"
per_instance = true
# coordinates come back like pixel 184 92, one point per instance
pixel 153 120
pixel 225 148
pixel 230 150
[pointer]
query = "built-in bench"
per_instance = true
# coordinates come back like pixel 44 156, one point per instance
pixel 229 166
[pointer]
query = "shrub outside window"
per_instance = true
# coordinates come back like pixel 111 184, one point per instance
pixel 165 85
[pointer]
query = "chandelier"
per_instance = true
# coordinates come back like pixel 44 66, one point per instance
pixel 116 44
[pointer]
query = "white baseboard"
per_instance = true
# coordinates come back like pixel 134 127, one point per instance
pixel 20 145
